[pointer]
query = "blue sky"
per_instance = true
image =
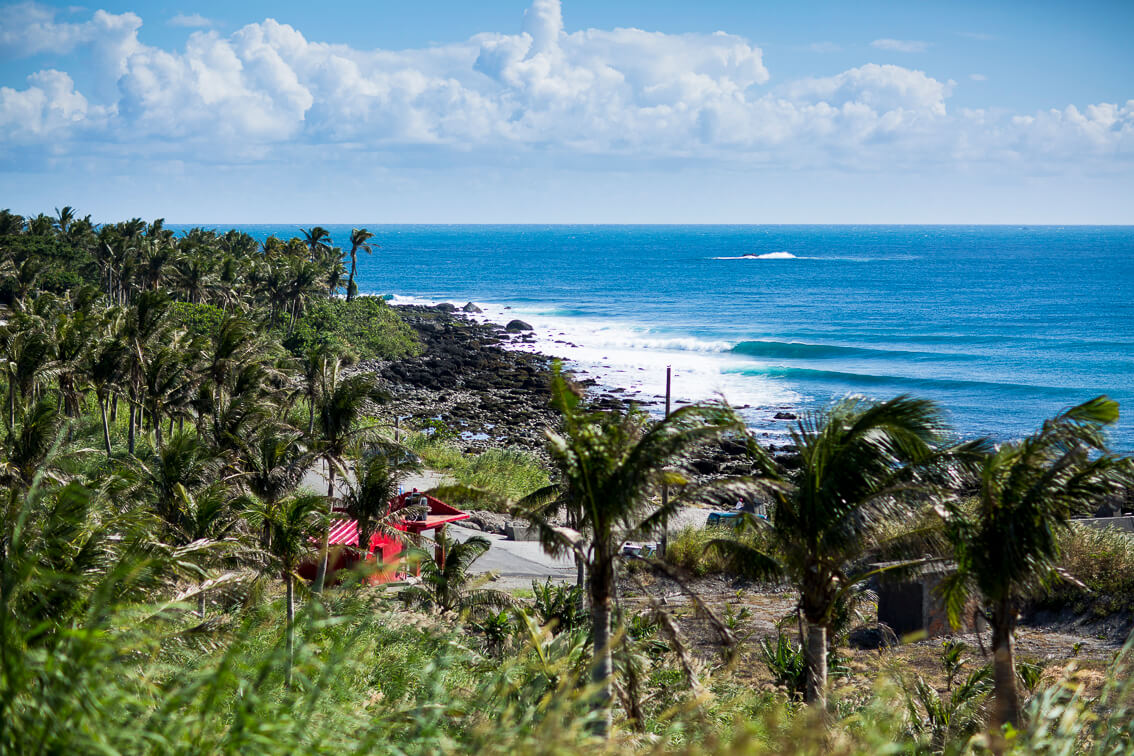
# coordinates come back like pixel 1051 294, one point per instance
pixel 585 111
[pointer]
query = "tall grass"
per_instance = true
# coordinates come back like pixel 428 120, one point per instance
pixel 509 473
pixel 1102 559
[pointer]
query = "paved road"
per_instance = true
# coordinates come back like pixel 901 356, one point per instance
pixel 517 563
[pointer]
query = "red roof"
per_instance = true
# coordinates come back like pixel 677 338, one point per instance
pixel 345 531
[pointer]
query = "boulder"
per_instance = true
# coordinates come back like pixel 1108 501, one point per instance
pixel 784 416
pixel 447 307
pixel 470 307
pixel 515 326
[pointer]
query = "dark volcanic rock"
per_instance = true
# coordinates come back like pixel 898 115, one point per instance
pixel 446 307
pixel 784 416
pixel 470 307
pixel 515 326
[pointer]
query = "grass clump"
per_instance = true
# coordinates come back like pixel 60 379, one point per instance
pixel 689 548
pixel 1102 559
pixel 507 474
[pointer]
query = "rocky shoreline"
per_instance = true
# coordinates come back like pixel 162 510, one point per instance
pixel 491 396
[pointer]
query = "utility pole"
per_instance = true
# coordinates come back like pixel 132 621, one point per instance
pixel 665 489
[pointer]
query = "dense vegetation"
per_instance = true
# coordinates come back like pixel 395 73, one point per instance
pixel 165 395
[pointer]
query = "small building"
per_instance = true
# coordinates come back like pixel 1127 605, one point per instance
pixel 344 552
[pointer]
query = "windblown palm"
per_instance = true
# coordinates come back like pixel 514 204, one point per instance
pixel 1007 540
pixel 292 524
pixel 359 240
pixel 863 465
pixel 342 406
pixel 611 464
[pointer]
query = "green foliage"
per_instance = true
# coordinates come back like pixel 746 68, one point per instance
pixel 198 320
pixel 365 326
pixel 559 605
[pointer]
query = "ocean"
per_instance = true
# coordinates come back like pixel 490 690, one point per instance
pixel 1002 325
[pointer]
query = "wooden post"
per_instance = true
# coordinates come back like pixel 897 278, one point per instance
pixel 438 549
pixel 665 489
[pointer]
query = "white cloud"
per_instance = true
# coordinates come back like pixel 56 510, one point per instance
pixel 190 21
pixel 978 77
pixel 900 45
pixel 265 92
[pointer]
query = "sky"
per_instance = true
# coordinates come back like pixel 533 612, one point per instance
pixel 570 111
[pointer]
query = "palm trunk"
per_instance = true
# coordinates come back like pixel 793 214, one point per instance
pixel 1006 705
pixel 201 604
pixel 350 280
pixel 816 657
pixel 601 669
pixel 130 434
pixel 105 425
pixel 289 631
pixel 321 573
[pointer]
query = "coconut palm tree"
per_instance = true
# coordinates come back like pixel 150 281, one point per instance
pixel 1006 539
pixel 318 242
pixel 612 464
pixel 273 465
pixel 449 586
pixel 342 405
pixel 359 240
pixel 292 523
pixel 863 465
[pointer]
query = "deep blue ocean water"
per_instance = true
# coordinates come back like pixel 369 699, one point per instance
pixel 1003 325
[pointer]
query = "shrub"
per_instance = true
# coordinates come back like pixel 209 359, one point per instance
pixel 198 320
pixel 559 604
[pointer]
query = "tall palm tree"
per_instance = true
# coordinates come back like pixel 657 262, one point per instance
pixel 342 406
pixel 862 466
pixel 1007 540
pixel 293 523
pixel 359 240
pixel 613 464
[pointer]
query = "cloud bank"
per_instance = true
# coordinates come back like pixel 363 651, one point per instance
pixel 265 91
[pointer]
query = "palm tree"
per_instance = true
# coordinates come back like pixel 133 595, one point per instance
pixel 449 586
pixel 273 466
pixel 861 466
pixel 292 524
pixel 611 464
pixel 359 239
pixel 341 407
pixel 318 241
pixel 378 475
pixel 1007 540
pixel 204 519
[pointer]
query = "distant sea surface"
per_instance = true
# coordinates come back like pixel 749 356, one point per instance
pixel 1003 325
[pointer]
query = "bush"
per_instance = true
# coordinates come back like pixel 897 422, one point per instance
pixel 366 326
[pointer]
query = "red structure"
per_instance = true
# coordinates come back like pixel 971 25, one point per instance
pixel 343 543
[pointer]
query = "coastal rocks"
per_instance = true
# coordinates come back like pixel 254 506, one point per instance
pixel 446 307
pixel 785 416
pixel 516 326
pixel 471 308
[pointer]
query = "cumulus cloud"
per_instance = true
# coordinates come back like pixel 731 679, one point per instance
pixel 266 90
pixel 900 45
pixel 190 21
